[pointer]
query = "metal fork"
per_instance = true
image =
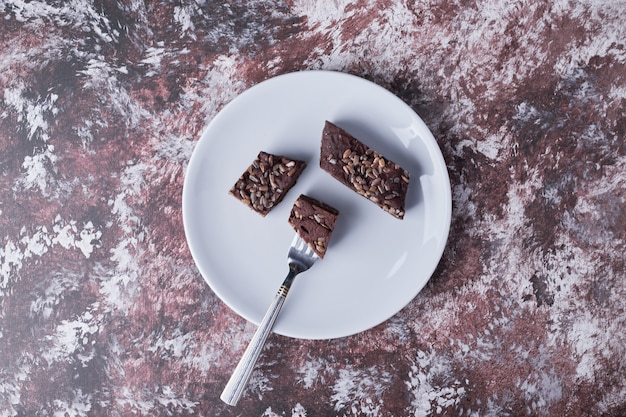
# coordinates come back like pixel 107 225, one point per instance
pixel 301 257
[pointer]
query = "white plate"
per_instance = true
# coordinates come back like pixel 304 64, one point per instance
pixel 375 263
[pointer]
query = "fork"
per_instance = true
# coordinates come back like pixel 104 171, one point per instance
pixel 301 257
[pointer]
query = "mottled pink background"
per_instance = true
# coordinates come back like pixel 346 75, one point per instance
pixel 103 312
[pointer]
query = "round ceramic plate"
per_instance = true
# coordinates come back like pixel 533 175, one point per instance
pixel 375 263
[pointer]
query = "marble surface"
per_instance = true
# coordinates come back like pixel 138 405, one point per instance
pixel 103 311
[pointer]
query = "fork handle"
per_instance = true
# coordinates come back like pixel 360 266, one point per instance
pixel 239 379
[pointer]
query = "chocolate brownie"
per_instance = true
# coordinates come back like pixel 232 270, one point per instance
pixel 364 170
pixel 314 221
pixel 266 181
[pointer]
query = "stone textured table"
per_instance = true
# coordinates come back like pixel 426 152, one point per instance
pixel 103 311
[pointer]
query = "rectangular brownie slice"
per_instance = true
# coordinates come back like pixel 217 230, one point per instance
pixel 314 221
pixel 364 170
pixel 266 181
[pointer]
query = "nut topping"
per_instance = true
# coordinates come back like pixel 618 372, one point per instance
pixel 364 170
pixel 266 181
pixel 314 221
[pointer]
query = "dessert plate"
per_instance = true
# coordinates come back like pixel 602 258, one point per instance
pixel 375 263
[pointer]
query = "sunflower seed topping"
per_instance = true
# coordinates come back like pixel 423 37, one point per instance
pixel 314 221
pixel 366 171
pixel 266 181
